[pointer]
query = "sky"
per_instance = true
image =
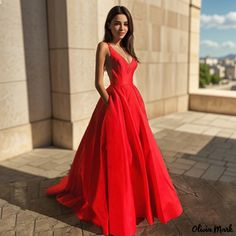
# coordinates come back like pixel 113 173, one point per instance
pixel 218 28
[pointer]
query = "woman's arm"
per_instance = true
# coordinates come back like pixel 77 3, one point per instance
pixel 99 70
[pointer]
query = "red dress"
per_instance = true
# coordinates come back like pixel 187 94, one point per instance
pixel 118 174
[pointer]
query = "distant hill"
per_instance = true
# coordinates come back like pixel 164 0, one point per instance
pixel 229 56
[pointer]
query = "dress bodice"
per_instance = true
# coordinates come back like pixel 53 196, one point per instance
pixel 120 71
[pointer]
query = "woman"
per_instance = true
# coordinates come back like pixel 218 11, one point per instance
pixel 118 176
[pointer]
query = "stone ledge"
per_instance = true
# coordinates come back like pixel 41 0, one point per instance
pixel 213 101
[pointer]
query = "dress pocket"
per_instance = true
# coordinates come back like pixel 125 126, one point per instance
pixel 108 101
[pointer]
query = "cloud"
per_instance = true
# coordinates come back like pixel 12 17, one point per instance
pixel 227 21
pixel 228 44
pixel 209 44
pixel 213 44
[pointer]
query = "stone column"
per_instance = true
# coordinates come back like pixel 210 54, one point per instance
pixel 195 7
pixel 73 38
pixel 25 104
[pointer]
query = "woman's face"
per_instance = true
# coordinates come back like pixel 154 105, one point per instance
pixel 119 26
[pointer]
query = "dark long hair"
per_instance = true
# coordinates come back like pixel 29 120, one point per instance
pixel 128 41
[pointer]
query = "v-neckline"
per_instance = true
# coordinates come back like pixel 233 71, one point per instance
pixel 121 55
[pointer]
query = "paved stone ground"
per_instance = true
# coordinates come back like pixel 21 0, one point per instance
pixel 199 150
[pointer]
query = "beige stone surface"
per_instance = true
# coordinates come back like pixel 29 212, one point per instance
pixel 195 25
pixel 141 35
pixel 178 6
pixel 156 15
pixel 11 22
pixel 34 23
pixel 214 104
pixel 164 39
pixel 170 18
pixel 59 64
pixel 173 41
pixel 182 58
pixel 13 104
pixel 183 7
pixel 58 96
pixel 170 5
pixel 194 68
pixel 156 38
pixel 79 128
pixel 11 43
pixel 170 105
pixel 139 10
pixel 12 64
pixel 169 80
pixel 183 22
pixel 41 133
pixel 15 140
pixel 102 8
pixel 62 132
pixel 193 83
pixel 183 42
pixel 59 61
pixel 197 3
pixel 141 81
pixel 155 2
pixel 25 84
pixel 81 23
pixel 153 56
pixel 154 82
pixel 183 103
pixel 194 45
pixel 155 109
pixel 57 23
pixel 186 1
pixel 195 12
pixel 61 106
pixel 193 128
pixel 181 78
pixel 83 104
pixel 82 70
pixel 38 84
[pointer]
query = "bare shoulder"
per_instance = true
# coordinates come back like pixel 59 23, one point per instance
pixel 102 48
pixel 102 44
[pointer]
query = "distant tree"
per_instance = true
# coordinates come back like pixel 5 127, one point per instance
pixel 205 77
pixel 215 79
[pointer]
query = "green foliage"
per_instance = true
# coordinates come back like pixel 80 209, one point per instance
pixel 205 77
pixel 215 79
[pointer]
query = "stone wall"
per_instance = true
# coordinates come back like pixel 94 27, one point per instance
pixel 48 64
pixel 162 42
pixel 25 104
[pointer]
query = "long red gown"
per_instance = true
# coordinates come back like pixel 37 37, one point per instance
pixel 118 174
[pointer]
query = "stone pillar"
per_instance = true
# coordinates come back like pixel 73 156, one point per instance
pixel 195 7
pixel 73 38
pixel 25 104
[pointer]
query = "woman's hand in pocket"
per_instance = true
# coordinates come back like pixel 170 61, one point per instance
pixel 108 100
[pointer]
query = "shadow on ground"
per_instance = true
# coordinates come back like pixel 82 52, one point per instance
pixel 204 202
pixel 24 207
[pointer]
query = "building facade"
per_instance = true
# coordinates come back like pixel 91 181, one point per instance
pixel 48 65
